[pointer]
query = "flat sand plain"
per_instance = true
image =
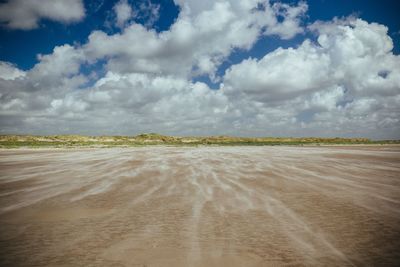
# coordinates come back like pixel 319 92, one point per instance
pixel 201 206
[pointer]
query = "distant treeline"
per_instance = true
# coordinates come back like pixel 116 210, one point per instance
pixel 9 141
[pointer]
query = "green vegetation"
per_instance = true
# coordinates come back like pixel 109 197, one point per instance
pixel 13 141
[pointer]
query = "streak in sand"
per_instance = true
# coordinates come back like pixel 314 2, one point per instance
pixel 201 206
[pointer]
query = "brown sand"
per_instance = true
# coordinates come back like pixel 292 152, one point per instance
pixel 206 206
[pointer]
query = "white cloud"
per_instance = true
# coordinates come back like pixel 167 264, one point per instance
pixel 10 72
pixel 64 61
pixel 127 13
pixel 291 15
pixel 347 83
pixel 123 12
pixel 304 69
pixel 26 14
pixel 203 36
pixel 352 55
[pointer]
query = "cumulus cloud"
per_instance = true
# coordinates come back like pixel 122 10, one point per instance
pixel 348 77
pixel 65 61
pixel 345 82
pixel 304 68
pixel 352 54
pixel 8 71
pixel 26 14
pixel 203 36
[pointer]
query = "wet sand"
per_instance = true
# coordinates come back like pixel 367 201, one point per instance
pixel 205 206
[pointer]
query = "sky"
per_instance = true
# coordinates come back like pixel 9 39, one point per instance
pixel 212 67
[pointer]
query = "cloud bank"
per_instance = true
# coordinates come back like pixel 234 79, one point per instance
pixel 345 81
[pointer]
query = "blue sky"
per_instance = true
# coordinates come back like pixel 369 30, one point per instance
pixel 81 31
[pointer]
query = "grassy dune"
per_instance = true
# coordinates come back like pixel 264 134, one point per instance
pixel 10 141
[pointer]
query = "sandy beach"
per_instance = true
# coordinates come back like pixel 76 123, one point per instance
pixel 201 206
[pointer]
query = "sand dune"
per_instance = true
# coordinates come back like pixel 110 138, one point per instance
pixel 205 206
